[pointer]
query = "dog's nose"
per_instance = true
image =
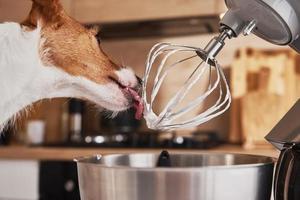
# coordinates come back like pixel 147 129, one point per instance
pixel 140 81
pixel 138 87
pixel 128 78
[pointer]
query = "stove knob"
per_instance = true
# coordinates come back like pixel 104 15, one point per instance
pixel 69 185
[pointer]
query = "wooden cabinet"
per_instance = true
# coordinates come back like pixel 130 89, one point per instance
pixel 89 11
pixel 14 10
pixel 118 10
pixel 17 10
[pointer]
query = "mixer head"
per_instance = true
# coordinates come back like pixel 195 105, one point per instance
pixel 276 21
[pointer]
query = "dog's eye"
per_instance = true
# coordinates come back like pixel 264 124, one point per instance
pixel 113 79
pixel 98 39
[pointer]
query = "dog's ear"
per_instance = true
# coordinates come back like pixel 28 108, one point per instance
pixel 44 11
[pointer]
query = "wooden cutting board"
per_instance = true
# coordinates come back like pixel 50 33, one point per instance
pixel 264 86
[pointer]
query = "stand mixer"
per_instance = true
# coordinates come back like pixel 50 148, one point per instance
pixel 276 21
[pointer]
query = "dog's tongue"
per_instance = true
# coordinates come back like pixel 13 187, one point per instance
pixel 138 103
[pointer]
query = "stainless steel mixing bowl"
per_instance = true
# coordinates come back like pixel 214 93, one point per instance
pixel 190 177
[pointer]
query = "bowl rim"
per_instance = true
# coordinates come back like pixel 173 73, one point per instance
pixel 83 161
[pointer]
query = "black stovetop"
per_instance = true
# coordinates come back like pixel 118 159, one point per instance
pixel 197 140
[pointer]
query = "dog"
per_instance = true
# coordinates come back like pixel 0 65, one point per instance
pixel 51 55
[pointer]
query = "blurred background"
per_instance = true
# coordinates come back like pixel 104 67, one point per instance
pixel 264 80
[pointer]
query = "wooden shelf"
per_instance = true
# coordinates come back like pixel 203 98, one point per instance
pixel 43 153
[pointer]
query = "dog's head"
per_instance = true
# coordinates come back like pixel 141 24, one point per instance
pixel 74 49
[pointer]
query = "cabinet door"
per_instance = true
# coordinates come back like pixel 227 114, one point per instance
pixel 19 180
pixel 58 181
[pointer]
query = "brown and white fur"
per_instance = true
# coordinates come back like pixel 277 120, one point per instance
pixel 51 55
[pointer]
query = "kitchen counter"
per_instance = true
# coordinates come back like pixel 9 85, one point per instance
pixel 50 153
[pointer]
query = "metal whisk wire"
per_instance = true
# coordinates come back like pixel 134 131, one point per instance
pixel 166 119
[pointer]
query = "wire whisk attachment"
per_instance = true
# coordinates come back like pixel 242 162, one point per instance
pixel 162 59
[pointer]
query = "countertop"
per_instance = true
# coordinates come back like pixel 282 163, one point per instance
pixel 51 153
